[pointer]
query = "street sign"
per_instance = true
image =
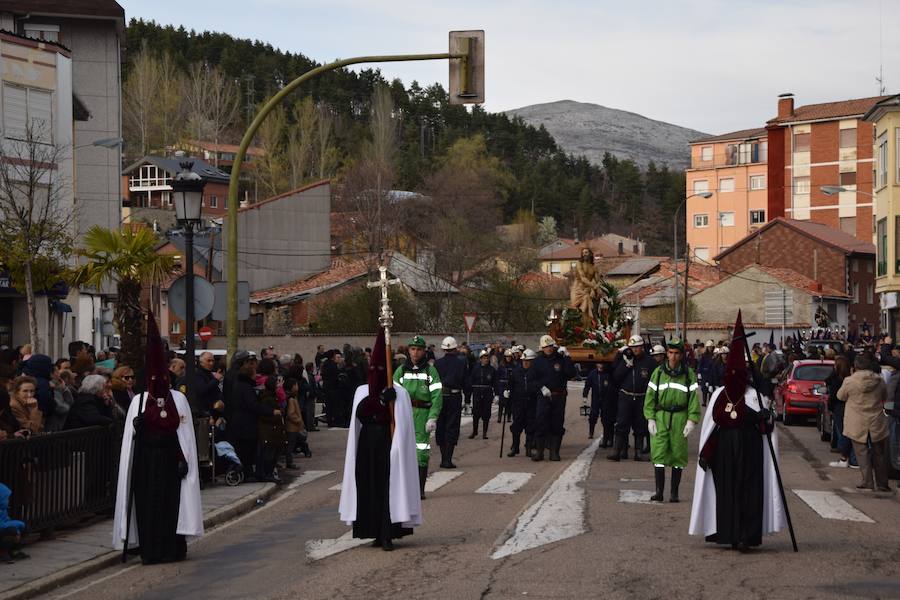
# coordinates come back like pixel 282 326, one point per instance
pixel 205 333
pixel 220 306
pixel 467 75
pixel 203 297
pixel 470 321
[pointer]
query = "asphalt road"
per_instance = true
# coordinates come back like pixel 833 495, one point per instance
pixel 627 550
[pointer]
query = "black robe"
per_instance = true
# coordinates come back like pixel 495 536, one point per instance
pixel 157 495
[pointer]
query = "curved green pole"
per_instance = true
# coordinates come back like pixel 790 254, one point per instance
pixel 231 267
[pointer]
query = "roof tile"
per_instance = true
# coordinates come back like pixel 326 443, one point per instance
pixel 830 110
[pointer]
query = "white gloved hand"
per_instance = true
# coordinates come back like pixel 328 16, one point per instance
pixel 545 391
pixel 629 361
pixel 688 428
pixel 506 393
pixel 430 425
pixel 651 427
pixel 562 350
pixel 496 398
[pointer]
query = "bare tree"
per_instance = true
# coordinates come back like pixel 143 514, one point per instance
pixel 326 159
pixel 36 213
pixel 302 141
pixel 222 106
pixel 270 168
pixel 140 97
pixel 169 121
pixel 196 98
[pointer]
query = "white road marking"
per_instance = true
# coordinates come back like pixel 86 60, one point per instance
pixel 439 479
pixel 558 515
pixel 635 496
pixel 336 488
pixel 505 483
pixel 831 506
pixel 308 477
pixel 626 480
pixel 319 549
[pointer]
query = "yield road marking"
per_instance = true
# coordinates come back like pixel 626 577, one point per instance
pixel 319 549
pixel 308 477
pixel 439 479
pixel 505 483
pixel 831 506
pixel 635 496
pixel 558 515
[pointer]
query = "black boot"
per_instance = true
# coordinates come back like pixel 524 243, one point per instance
pixel 514 449
pixel 445 460
pixel 618 448
pixel 645 446
pixel 676 480
pixel 484 430
pixel 660 473
pixel 529 445
pixel 555 443
pixel 474 429
pixel 607 439
pixel 591 427
pixel 450 449
pixel 423 475
pixel 638 455
pixel 538 455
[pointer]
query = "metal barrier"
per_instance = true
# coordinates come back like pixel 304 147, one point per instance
pixel 58 477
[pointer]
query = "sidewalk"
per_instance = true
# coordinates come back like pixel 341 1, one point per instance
pixel 81 551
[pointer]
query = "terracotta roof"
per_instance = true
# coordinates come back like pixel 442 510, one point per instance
pixel 342 270
pixel 229 148
pixel 658 289
pixel 830 110
pixel 817 231
pixel 742 134
pixel 599 247
pixel 795 280
pixel 539 278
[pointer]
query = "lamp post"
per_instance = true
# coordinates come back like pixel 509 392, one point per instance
pixel 187 194
pixel 675 247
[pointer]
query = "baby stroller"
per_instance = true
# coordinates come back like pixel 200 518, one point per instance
pixel 227 462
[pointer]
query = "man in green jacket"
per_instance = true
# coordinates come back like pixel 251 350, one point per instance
pixel 423 383
pixel 672 409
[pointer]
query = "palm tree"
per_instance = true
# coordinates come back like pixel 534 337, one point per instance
pixel 129 258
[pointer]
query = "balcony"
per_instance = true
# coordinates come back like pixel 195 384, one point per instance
pixel 734 155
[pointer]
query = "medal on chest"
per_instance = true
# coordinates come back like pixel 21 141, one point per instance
pixel 161 403
pixel 557 366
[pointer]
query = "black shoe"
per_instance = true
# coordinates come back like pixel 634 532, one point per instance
pixel 423 475
pixel 376 543
pixel 450 449
pixel 555 443
pixel 618 448
pixel 676 481
pixel 538 455
pixel 473 434
pixel 484 435
pixel 660 476
pixel 638 456
pixel 591 427
pixel 387 546
pixel 513 451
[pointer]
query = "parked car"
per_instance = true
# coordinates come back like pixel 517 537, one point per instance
pixel 803 393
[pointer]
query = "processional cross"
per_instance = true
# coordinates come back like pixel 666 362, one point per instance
pixel 386 316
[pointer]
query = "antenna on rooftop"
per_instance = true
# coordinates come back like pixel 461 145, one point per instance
pixel 880 78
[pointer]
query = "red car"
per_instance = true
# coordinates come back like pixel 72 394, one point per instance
pixel 803 394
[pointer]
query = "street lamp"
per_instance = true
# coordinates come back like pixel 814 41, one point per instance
pixel 675 246
pixel 187 195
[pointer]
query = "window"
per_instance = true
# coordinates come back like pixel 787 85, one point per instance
pixel 731 154
pixel 573 264
pixel 757 182
pixel 763 151
pixel 897 134
pixel 27 107
pixel 801 185
pixel 224 202
pixel 555 268
pixel 881 248
pixel 706 153
pixel 896 244
pixel 870 293
pixel 726 185
pixel 855 292
pixel 701 254
pixel 213 201
pixel 701 221
pixel 848 225
pixel 700 186
pixel 848 138
pixel 854 265
pixel 41 31
pixel 726 219
pixel 167 198
pixel 801 142
pixel 848 178
pixel 176 327
pixel 757 217
pixel 882 144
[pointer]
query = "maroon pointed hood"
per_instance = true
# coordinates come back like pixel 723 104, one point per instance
pixel 377 377
pixel 736 363
pixel 160 412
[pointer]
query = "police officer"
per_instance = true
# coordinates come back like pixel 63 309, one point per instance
pixel 483 382
pixel 600 386
pixel 504 372
pixel 632 375
pixel 523 391
pixel 552 370
pixel 452 367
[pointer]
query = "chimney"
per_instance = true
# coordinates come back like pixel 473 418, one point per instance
pixel 785 105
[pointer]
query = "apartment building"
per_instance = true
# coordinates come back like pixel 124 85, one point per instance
pixel 818 146
pixel 732 167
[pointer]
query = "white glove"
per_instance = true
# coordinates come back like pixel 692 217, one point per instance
pixel 562 350
pixel 430 425
pixel 651 427
pixel 496 398
pixel 506 393
pixel 688 428
pixel 545 391
pixel 629 361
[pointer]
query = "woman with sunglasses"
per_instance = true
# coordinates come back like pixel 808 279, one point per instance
pixel 122 385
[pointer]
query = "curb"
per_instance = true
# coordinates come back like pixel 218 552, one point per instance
pixel 98 563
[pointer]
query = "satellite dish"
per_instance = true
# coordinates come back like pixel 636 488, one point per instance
pixel 204 297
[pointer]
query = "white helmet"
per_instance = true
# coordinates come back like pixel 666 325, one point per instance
pixel 508 353
pixel 658 349
pixel 635 341
pixel 547 340
pixel 529 354
pixel 449 343
pixel 710 344
pixel 484 353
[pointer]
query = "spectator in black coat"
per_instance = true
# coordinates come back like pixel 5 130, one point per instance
pixel 245 412
pixel 90 407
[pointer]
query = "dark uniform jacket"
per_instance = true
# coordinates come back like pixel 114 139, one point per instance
pixel 523 384
pixel 453 371
pixel 553 371
pixel 504 372
pixel 483 375
pixel 634 379
pixel 599 384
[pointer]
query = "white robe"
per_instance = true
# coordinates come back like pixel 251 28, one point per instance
pixel 703 509
pixel 405 502
pixel 190 510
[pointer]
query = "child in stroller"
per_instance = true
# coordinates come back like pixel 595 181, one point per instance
pixel 227 462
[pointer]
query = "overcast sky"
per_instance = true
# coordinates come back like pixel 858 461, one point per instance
pixel 711 65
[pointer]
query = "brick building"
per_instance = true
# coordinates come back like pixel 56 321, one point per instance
pixel 148 185
pixel 833 259
pixel 819 145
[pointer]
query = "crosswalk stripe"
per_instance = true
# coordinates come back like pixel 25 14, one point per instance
pixel 635 496
pixel 308 477
pixel 336 488
pixel 319 549
pixel 439 479
pixel 505 483
pixel 831 506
